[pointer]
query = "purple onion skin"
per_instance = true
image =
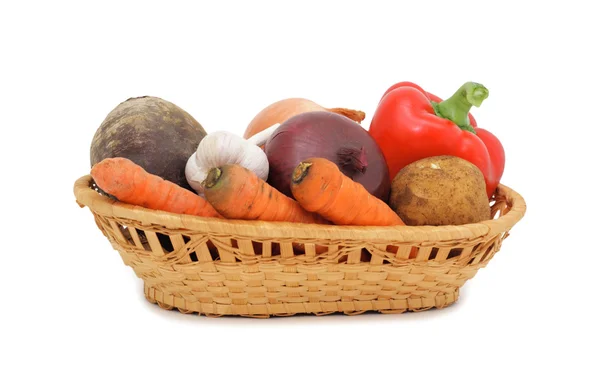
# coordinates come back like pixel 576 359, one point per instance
pixel 322 134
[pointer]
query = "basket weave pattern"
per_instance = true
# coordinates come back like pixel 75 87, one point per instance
pixel 259 269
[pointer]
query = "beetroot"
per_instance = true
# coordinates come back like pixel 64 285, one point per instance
pixel 153 133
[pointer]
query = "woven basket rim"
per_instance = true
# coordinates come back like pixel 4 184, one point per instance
pixel 87 196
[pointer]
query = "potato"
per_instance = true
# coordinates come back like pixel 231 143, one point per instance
pixel 442 190
pixel 153 133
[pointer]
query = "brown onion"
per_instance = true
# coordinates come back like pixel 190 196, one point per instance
pixel 282 110
pixel 331 136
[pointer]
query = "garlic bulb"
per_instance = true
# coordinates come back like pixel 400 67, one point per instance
pixel 222 147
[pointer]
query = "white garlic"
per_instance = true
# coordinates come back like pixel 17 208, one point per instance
pixel 220 148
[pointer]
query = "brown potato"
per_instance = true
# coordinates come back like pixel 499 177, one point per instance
pixel 442 190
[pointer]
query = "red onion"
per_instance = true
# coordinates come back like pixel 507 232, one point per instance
pixel 331 136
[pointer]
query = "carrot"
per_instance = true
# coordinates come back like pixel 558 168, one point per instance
pixel 131 184
pixel 237 193
pixel 320 187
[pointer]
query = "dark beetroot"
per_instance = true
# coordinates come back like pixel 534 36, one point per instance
pixel 153 133
pixel 331 136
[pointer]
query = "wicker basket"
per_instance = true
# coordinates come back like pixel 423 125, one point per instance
pixel 261 269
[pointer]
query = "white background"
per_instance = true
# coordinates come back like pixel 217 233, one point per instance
pixel 69 305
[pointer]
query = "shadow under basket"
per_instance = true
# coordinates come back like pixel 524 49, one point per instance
pixel 260 269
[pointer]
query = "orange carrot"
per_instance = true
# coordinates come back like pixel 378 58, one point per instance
pixel 131 184
pixel 237 193
pixel 320 187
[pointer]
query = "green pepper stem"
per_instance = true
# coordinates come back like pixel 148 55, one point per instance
pixel 457 107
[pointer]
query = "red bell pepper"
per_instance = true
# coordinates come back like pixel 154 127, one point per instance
pixel 411 124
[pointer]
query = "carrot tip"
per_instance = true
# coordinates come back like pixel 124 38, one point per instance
pixel 300 172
